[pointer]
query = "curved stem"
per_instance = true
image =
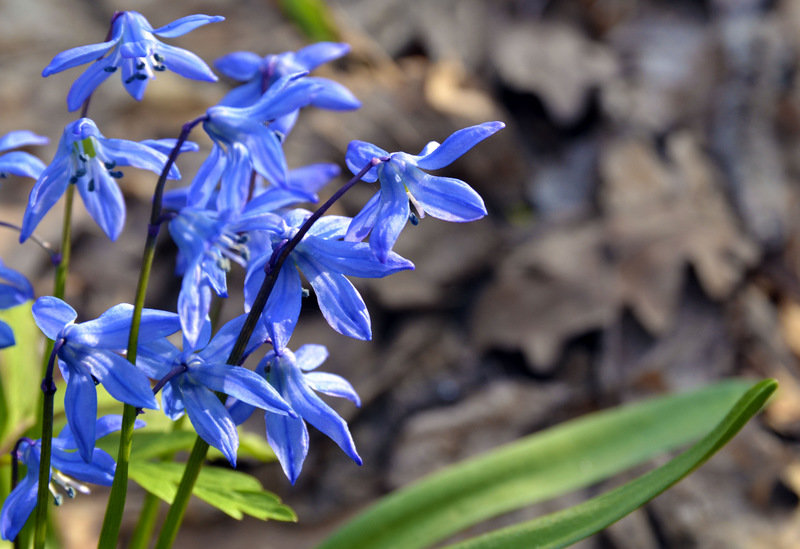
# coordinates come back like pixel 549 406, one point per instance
pixel 55 257
pixel 172 523
pixel 42 501
pixel 119 488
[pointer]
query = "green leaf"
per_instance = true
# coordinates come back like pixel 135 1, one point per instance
pixel 234 493
pixel 570 525
pixel 312 17
pixel 536 468
pixel 19 375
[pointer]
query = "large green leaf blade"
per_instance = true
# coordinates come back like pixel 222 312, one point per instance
pixel 570 525
pixel 544 465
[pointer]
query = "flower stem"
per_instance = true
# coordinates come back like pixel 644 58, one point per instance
pixel 42 501
pixel 172 523
pixel 119 488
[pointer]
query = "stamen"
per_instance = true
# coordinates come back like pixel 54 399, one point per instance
pixel 141 76
pixel 412 217
pixel 306 292
pixel 115 174
pixel 109 165
pixel 110 69
pixel 158 57
pixel 159 68
pixel 140 65
pixel 91 189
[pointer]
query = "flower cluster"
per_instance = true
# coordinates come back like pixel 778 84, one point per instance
pixel 243 207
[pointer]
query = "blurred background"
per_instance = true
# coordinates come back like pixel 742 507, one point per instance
pixel 642 235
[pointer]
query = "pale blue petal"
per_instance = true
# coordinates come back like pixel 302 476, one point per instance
pixel 283 306
pixel 267 154
pixel 392 213
pixel 52 315
pixel 154 358
pixel 121 379
pixel 333 385
pixel 181 26
pixel 315 55
pixel 235 182
pixel 185 63
pixel 361 153
pixel 333 96
pixel 131 153
pixel 86 83
pixel 80 407
pixel 244 95
pixel 111 329
pixel 18 290
pixel 222 343
pixel 77 56
pixel 364 221
pixel 239 411
pixel 208 175
pixel 104 203
pixel 211 420
pixel 45 193
pixel 19 505
pixel 165 145
pixel 288 438
pixel 310 179
pixel 133 85
pixel 353 258
pixel 310 356
pixel 446 198
pixel 172 401
pixel 194 301
pixel 99 470
pixel 242 384
pixel 22 164
pixel 329 227
pixel 457 144
pixel 21 138
pixel 239 65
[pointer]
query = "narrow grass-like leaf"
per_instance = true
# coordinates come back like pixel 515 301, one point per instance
pixel 536 468
pixel 570 525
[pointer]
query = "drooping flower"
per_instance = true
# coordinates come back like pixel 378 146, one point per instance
pixel 67 471
pixel 134 48
pixel 293 376
pixel 402 179
pixel 259 73
pixel 325 260
pixel 20 162
pixel 89 160
pixel 14 290
pixel 87 354
pixel 195 372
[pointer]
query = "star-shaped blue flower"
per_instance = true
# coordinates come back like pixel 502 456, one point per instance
pixel 89 160
pixel 325 260
pixel 87 353
pixel 66 467
pixel 402 179
pixel 134 48
pixel 19 162
pixel 259 73
pixel 293 376
pixel 199 370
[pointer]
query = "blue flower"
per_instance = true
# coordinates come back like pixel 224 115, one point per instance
pixel 87 159
pixel 19 162
pixel 14 290
pixel 66 469
pixel 133 46
pixel 246 126
pixel 87 354
pixel 259 73
pixel 291 374
pixel 324 260
pixel 199 370
pixel 402 179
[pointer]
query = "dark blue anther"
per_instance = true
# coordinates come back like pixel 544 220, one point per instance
pixel 115 174
pixel 91 185
pixel 110 69
pixel 412 217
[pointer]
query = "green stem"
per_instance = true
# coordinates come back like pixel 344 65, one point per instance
pixel 176 512
pixel 147 522
pixel 42 501
pixel 119 489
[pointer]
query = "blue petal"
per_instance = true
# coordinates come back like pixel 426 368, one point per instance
pixel 86 83
pixel 333 96
pixel 45 193
pixel 242 384
pixel 310 179
pixel 239 411
pixel 6 335
pixel 392 213
pixel 22 164
pixel 315 55
pixel 244 95
pixel 98 470
pixel 80 407
pixel 165 145
pixel 328 227
pixel 286 95
pixel 131 153
pixel 333 385
pixel 21 138
pixel 130 81
pixel 112 328
pixel 446 198
pixel 186 24
pixel 283 306
pixel 104 203
pixel 52 315
pixel 457 144
pixel 172 401
pixel 353 258
pixel 239 65
pixel 235 183
pixel 222 343
pixel 121 379
pixel 361 153
pixel 365 220
pixel 18 290
pixel 312 409
pixel 154 358
pixel 77 56
pixel 185 63
pixel 288 438
pixel 211 420
pixel 207 177
pixel 267 155
pixel 339 301
pixel 310 356
pixel 194 301
pixel 19 505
